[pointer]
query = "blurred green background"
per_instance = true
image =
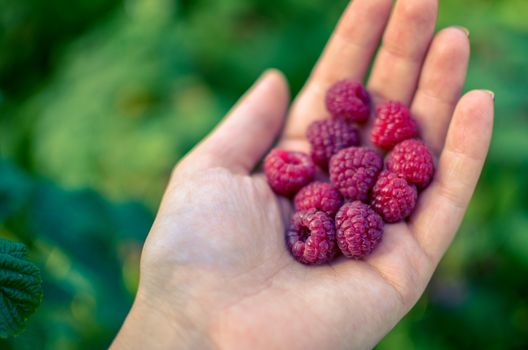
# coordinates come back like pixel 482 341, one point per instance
pixel 99 99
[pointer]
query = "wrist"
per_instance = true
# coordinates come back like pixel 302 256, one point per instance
pixel 153 326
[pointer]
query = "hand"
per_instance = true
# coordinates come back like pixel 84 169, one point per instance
pixel 215 271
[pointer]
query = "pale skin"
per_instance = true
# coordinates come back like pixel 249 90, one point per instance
pixel 215 271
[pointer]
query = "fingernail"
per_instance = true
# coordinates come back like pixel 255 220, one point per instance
pixel 463 29
pixel 492 94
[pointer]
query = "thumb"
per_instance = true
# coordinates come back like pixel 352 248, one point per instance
pixel 249 129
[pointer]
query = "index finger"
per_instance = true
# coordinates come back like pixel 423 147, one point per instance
pixel 347 55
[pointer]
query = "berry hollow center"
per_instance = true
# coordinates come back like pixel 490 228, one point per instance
pixel 304 233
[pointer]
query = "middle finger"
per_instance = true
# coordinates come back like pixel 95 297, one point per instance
pixel 405 43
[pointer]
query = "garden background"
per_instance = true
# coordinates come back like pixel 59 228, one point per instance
pixel 100 98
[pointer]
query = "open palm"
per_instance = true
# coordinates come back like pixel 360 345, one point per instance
pixel 215 270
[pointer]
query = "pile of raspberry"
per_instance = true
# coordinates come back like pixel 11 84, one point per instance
pixel 358 189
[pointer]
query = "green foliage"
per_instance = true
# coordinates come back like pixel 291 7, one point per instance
pixel 32 31
pixel 88 252
pixel 108 95
pixel 20 288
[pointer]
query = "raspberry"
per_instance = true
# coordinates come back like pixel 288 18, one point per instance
pixel 412 161
pixel 348 99
pixel 321 196
pixel 393 124
pixel 287 172
pixel 330 136
pixel 311 237
pixel 393 197
pixel 359 230
pixel 354 171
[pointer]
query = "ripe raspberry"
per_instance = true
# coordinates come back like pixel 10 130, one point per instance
pixel 359 230
pixel 328 137
pixel 311 237
pixel 287 172
pixel 349 100
pixel 393 198
pixel 354 171
pixel 321 196
pixel 412 161
pixel 393 124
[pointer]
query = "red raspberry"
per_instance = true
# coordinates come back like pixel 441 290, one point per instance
pixel 287 172
pixel 330 136
pixel 412 161
pixel 321 196
pixel 393 124
pixel 311 237
pixel 393 197
pixel 354 171
pixel 359 230
pixel 349 100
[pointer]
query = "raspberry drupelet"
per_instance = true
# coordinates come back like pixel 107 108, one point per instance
pixel 354 171
pixel 413 161
pixel 321 196
pixel 359 230
pixel 329 136
pixel 287 172
pixel 311 237
pixel 393 197
pixel 348 99
pixel 392 125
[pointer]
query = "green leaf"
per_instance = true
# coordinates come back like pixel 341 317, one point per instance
pixel 20 288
